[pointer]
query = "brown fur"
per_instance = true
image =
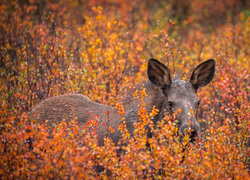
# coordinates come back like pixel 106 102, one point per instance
pixel 57 108
pixel 154 97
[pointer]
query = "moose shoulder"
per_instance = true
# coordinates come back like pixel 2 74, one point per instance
pixel 162 92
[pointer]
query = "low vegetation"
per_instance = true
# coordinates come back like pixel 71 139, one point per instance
pixel 100 49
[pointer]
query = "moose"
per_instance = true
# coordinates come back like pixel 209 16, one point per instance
pixel 163 93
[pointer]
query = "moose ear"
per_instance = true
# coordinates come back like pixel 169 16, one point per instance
pixel 203 74
pixel 158 73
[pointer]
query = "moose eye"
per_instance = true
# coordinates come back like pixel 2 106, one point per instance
pixel 170 103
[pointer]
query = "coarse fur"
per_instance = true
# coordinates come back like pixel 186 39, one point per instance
pixel 53 110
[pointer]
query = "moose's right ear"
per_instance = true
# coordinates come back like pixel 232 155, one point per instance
pixel 203 74
pixel 158 73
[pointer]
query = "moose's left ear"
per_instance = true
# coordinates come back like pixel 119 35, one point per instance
pixel 203 74
pixel 158 73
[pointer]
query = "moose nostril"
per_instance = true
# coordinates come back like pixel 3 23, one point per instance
pixel 184 129
pixel 193 136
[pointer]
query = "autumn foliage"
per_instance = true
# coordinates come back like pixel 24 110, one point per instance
pixel 100 49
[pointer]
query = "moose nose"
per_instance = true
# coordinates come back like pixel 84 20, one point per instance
pixel 192 130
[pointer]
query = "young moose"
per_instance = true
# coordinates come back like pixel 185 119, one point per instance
pixel 162 92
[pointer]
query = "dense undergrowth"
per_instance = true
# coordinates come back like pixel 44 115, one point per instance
pixel 100 49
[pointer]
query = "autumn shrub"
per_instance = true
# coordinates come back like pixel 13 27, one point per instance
pixel 100 49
